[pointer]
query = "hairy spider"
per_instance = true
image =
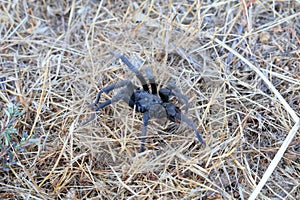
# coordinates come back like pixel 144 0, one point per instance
pixel 150 104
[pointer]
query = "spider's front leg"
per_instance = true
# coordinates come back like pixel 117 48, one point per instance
pixel 133 69
pixel 124 94
pixel 109 88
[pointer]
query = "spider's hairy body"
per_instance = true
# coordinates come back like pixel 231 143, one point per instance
pixel 145 101
pixel 152 105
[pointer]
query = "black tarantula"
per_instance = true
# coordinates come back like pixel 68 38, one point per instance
pixel 151 105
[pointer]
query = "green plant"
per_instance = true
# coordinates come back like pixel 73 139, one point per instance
pixel 8 133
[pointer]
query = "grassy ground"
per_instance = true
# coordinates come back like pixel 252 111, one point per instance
pixel 237 61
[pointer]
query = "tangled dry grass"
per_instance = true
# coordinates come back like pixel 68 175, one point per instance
pixel 238 61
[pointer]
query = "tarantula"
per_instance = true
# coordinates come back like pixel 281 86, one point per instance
pixel 152 105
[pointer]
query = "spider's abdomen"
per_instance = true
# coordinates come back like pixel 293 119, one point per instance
pixel 173 112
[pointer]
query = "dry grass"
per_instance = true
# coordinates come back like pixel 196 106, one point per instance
pixel 238 61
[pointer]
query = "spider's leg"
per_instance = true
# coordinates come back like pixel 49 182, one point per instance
pixel 167 92
pixel 124 94
pixel 146 118
pixel 102 105
pixel 191 124
pixel 132 68
pixel 181 97
pixel 152 81
pixel 112 87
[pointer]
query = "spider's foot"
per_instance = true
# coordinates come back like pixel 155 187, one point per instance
pixel 115 54
pixel 142 148
pixel 200 139
pixel 90 119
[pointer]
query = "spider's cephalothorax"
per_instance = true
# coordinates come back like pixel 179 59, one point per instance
pixel 152 105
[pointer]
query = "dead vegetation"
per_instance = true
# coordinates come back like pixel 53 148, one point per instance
pixel 238 61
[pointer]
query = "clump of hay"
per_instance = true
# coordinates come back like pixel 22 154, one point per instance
pixel 238 61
